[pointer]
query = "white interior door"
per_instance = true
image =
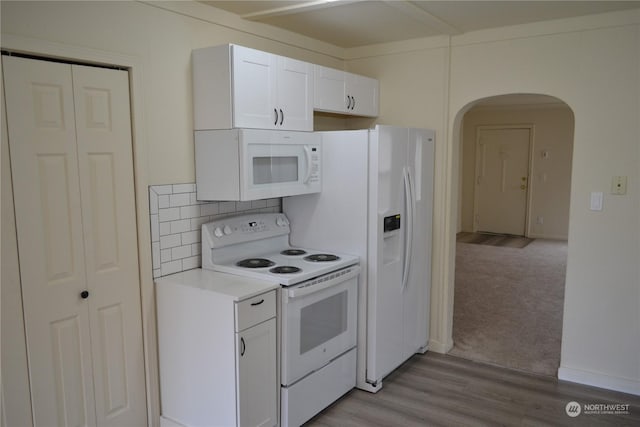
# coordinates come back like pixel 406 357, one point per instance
pixel 502 180
pixel 73 187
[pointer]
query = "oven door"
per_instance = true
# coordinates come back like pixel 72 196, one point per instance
pixel 318 322
pixel 278 164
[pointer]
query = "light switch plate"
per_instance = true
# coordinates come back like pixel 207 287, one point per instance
pixel 619 185
pixel 596 201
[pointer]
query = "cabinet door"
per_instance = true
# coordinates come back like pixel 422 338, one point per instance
pixel 329 90
pixel 254 89
pixel 364 95
pixel 257 382
pixel 295 94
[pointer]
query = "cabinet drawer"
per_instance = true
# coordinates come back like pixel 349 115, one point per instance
pixel 255 310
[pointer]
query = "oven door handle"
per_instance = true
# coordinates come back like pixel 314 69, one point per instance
pixel 317 287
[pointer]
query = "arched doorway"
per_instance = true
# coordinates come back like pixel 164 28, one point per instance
pixel 508 295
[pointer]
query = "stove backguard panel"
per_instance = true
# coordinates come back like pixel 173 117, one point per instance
pixel 176 218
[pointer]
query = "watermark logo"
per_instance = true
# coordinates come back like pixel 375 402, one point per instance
pixel 606 408
pixel 573 409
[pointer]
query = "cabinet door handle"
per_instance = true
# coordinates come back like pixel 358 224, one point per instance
pixel 258 303
pixel 276 112
pixel 281 117
pixel 353 103
pixel 348 102
pixel 243 346
pixel 84 294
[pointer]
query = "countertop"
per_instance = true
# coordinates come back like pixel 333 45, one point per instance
pixel 235 287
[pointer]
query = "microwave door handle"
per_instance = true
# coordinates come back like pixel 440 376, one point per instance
pixel 307 155
pixel 307 290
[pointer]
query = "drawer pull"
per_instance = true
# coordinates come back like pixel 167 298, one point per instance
pixel 258 303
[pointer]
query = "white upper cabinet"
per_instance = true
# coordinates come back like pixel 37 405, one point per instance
pixel 238 87
pixel 346 93
pixel 363 92
pixel 330 90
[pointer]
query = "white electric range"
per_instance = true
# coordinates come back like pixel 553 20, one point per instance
pixel 317 306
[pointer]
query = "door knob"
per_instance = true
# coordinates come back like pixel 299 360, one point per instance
pixel 84 294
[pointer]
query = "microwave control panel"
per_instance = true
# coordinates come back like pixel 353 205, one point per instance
pixel 315 154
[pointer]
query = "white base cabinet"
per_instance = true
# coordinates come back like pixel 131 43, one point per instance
pixel 217 350
pixel 257 405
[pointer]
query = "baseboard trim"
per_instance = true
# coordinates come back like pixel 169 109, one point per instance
pixel 594 379
pixel 438 347
pixel 547 236
pixel 168 422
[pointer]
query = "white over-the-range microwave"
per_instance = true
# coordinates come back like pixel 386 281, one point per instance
pixel 254 164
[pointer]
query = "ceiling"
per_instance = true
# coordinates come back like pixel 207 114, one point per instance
pixel 353 23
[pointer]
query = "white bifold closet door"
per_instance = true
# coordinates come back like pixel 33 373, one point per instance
pixel 72 170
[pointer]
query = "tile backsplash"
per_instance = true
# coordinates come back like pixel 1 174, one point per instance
pixel 176 221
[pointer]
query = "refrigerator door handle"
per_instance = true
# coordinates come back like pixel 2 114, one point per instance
pixel 410 204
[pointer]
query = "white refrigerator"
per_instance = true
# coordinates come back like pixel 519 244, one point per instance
pixel 376 202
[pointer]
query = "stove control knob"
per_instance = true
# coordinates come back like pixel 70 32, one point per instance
pixel 227 230
pixel 218 232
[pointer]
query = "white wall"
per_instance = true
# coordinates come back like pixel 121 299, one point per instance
pixel 550 177
pixel 592 64
pixel 154 40
pixel 163 41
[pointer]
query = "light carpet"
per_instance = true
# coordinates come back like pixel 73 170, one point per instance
pixel 508 305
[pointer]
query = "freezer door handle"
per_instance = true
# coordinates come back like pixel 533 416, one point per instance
pixel 410 206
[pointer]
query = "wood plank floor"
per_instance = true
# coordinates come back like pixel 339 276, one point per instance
pixel 441 390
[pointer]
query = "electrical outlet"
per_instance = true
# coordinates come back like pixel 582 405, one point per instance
pixel 619 185
pixel 540 220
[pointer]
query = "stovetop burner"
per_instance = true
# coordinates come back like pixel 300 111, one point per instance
pixel 285 269
pixel 321 258
pixel 293 252
pixel 255 263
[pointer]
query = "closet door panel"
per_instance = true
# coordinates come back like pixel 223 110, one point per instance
pixel 44 165
pixel 105 164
